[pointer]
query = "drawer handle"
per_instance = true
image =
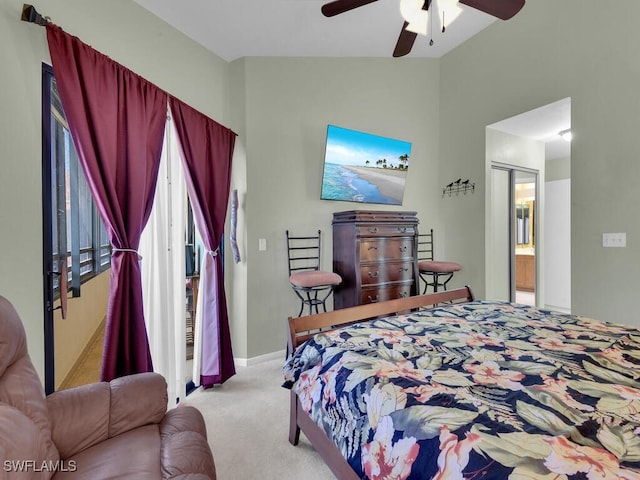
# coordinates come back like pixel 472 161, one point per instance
pixel 373 247
pixel 403 249
pixel 405 269
pixel 404 294
pixel 375 274
pixel 373 230
pixel 373 299
pixel 402 229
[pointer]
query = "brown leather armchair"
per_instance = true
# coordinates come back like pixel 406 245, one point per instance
pixel 116 430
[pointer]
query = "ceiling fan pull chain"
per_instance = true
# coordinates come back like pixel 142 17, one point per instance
pixel 443 27
pixel 431 20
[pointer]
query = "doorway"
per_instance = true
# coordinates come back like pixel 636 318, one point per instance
pixel 530 143
pixel 77 259
pixel 513 227
pixel 523 222
pixel 76 255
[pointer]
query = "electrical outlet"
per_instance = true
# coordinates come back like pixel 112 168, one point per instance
pixel 614 240
pixel 262 244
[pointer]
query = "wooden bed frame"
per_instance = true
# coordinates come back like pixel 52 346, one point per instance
pixel 303 328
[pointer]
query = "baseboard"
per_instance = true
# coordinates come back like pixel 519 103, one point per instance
pixel 558 309
pixel 248 362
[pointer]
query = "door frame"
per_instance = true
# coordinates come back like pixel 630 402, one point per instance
pixel 512 170
pixel 47 241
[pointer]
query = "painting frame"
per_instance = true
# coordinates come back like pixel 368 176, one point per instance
pixel 364 167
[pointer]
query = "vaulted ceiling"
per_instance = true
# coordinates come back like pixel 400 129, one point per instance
pixel 234 29
pixel 296 28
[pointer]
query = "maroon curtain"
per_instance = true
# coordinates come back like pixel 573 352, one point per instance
pixel 117 122
pixel 207 148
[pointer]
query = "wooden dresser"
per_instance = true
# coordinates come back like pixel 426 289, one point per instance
pixel 375 253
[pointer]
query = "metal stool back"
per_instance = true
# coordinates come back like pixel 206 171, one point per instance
pixel 434 273
pixel 312 285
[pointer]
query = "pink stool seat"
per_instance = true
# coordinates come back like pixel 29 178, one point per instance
pixel 438 266
pixel 314 278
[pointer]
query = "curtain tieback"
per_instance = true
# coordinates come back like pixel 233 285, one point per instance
pixel 127 250
pixel 214 253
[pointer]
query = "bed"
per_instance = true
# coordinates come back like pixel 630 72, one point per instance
pixel 465 389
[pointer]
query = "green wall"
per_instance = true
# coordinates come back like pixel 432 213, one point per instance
pixel 288 104
pixel 121 30
pixel 549 51
pixel 280 108
pixel 21 53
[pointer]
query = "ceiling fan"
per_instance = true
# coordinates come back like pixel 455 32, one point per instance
pixel 502 9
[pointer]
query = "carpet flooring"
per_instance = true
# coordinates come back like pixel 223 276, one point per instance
pixel 248 426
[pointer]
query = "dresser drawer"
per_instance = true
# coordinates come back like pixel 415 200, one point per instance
pixel 380 294
pixel 386 230
pixel 395 248
pixel 377 273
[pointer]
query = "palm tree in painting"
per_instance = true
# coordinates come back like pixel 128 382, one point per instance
pixel 404 160
pixel 367 163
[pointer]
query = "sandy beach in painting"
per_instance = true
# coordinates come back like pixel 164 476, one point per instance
pixel 389 182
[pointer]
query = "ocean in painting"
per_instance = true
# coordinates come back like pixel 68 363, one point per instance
pixel 338 183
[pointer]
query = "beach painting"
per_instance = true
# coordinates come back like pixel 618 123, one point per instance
pixel 365 168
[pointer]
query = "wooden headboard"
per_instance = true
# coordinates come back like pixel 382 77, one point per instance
pixel 303 328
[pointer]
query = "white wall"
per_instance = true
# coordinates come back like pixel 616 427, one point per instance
pixel 557 261
pixel 558 233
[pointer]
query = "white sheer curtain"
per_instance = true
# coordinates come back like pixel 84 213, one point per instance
pixel 162 247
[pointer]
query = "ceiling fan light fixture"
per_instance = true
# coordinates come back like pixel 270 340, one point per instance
pixel 418 19
pixel 451 7
pixel 425 17
pixel 565 135
pixel 412 12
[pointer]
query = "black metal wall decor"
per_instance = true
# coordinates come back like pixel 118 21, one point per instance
pixel 459 186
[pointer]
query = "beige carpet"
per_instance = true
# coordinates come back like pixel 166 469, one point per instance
pixel 248 427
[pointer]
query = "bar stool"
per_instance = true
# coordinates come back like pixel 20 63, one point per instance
pixel 434 273
pixel 312 285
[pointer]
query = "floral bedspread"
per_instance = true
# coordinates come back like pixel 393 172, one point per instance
pixel 477 391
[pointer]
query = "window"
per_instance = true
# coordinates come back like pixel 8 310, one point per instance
pixel 79 237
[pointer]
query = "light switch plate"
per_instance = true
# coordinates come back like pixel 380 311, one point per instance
pixel 262 244
pixel 614 240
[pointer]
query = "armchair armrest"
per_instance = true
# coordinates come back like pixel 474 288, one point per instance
pixel 84 416
pixel 137 400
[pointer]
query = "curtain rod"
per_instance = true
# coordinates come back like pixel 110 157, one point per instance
pixel 29 14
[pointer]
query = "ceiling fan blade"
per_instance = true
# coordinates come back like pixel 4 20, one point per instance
pixel 340 6
pixel 405 41
pixel 503 9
